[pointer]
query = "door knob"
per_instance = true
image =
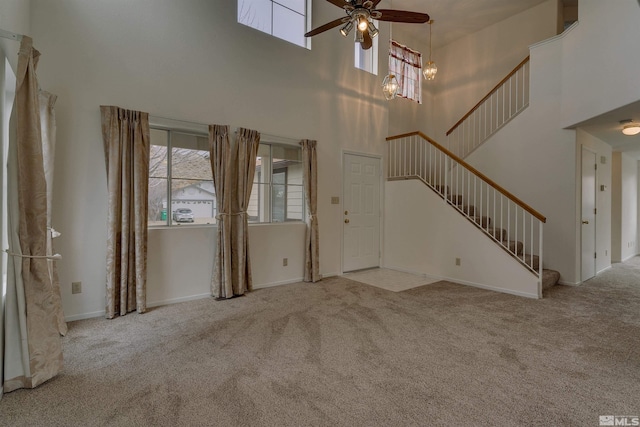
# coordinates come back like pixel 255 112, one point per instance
pixel 585 222
pixel 346 221
pixel 346 212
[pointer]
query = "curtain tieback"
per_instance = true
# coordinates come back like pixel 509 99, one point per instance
pixel 219 216
pixel 54 257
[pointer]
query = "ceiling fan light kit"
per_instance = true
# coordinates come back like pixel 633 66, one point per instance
pixel 361 13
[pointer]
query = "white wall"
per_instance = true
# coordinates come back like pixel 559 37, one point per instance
pixel 190 60
pixel 471 66
pixel 624 221
pixel 600 61
pixel 534 158
pixel 604 199
pixel 425 235
pixel 14 17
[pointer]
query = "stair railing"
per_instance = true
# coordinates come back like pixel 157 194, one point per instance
pixel 505 101
pixel 510 222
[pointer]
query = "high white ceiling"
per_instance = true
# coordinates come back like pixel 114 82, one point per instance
pixel 454 19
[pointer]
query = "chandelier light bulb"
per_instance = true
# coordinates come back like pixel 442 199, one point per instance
pixel 390 87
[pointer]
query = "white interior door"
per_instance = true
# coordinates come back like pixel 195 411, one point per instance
pixel 361 221
pixel 588 227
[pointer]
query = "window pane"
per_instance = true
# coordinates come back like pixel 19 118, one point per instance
pixel 157 214
pixel 289 25
pixel 158 175
pixel 295 203
pixel 262 163
pixel 258 210
pixel 295 5
pixel 279 196
pixel 256 14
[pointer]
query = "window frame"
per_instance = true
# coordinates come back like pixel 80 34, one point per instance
pixel 196 131
pixel 306 17
pixel 266 201
pixel 199 130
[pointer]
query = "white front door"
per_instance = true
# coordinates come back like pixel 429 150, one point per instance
pixel 588 227
pixel 361 219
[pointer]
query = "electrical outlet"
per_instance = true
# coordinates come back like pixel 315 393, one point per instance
pixel 76 287
pixel 285 262
pixel 457 261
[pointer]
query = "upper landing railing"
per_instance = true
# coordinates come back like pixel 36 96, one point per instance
pixel 505 101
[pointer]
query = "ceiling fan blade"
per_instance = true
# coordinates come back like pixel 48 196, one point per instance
pixel 368 41
pixel 403 16
pixel 340 3
pixel 327 26
pixel 375 3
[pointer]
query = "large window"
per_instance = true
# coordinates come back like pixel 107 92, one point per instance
pixel 285 19
pixel 406 64
pixel 181 187
pixel 180 179
pixel 277 193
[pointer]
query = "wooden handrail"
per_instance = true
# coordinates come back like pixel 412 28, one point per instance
pixel 476 172
pixel 475 107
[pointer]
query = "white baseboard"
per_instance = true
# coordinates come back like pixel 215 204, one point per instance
pixel 177 300
pixel 83 316
pixel 272 284
pixel 564 282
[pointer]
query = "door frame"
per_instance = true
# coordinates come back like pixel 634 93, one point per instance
pixel 584 148
pixel 381 205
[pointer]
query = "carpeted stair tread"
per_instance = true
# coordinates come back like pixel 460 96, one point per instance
pixel 482 221
pixel 499 233
pixel 514 246
pixel 467 209
pixel 549 278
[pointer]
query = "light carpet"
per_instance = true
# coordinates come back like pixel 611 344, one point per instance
pixel 341 353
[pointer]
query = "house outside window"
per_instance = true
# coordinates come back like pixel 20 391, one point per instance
pixel 285 19
pixel 406 65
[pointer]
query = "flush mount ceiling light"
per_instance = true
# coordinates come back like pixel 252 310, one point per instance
pixel 629 127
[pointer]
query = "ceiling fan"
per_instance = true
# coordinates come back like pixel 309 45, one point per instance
pixel 360 13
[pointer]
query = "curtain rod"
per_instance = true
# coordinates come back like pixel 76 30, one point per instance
pixel 10 35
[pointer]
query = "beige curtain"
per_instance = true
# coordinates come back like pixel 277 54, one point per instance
pixel 126 138
pixel 312 247
pixel 233 169
pixel 33 350
pixel 48 125
pixel 245 152
pixel 220 157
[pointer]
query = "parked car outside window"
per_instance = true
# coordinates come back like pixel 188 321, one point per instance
pixel 183 215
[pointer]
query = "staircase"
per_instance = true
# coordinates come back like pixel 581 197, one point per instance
pixel 513 225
